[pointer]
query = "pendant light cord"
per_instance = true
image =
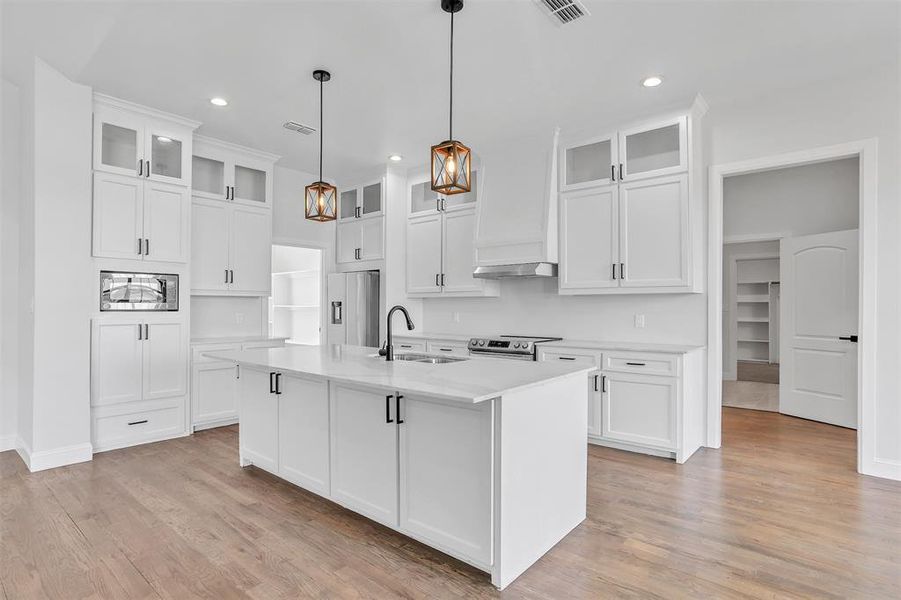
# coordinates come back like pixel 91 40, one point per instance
pixel 450 125
pixel 320 129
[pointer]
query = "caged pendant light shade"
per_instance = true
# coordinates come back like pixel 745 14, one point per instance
pixel 451 160
pixel 320 198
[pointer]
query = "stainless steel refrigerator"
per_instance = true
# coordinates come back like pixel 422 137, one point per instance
pixel 353 305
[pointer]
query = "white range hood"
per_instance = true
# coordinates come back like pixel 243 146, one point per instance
pixel 516 233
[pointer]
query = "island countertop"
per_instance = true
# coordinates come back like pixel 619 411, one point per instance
pixel 471 381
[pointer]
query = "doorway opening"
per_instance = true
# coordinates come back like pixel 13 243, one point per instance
pixel 791 289
pixel 295 306
pixel 847 254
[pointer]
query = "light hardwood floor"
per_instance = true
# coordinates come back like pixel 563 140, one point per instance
pixel 778 512
pixel 751 394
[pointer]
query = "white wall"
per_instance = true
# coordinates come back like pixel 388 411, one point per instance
pixel 799 200
pixel 62 217
pixel 221 316
pixel 9 262
pixel 288 223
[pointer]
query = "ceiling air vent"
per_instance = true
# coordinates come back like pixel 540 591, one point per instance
pixel 563 11
pixel 299 127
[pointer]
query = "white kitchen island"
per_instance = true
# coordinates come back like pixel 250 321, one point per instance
pixel 482 459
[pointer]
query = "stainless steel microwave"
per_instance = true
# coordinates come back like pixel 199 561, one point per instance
pixel 138 291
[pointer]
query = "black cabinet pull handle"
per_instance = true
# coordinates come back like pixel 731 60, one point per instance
pixel 140 167
pixel 397 408
pixel 604 383
pixel 278 384
pixel 388 418
pixel 147 172
pixel 406 346
pixel 597 381
pixel 232 276
pixel 146 247
pixel 140 246
pixel 442 280
pixel 271 382
pixel 849 338
pixel 567 357
pixel 437 284
pixel 612 173
pixel 620 171
pixel 622 270
pixel 146 331
pixel 141 422
pixel 614 270
pixel 140 332
pixel 438 204
pixel 446 349
pixel 635 364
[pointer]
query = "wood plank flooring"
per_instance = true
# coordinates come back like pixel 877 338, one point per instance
pixel 778 512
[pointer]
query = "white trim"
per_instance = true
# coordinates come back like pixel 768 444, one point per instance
pixel 7 442
pixel 755 237
pixel 146 110
pixel 867 461
pixel 230 146
pixel 57 457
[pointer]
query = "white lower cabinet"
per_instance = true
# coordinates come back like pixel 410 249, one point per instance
pixel 303 433
pixel 364 452
pixel 214 394
pixel 445 475
pixel 649 402
pixel 640 409
pixel 258 415
pixel 138 379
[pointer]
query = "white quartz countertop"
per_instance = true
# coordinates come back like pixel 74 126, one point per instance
pixel 625 346
pixel 237 339
pixel 470 381
pixel 419 335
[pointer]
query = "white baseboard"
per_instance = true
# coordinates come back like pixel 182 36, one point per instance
pixel 8 442
pixel 729 376
pixel 57 457
pixel 882 467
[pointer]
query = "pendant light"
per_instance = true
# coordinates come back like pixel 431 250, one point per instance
pixel 451 160
pixel 321 198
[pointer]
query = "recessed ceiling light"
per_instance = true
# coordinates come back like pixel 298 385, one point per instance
pixel 219 101
pixel 396 157
pixel 652 81
pixel 163 139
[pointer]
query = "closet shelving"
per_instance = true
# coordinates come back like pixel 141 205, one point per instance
pixel 294 304
pixel 754 300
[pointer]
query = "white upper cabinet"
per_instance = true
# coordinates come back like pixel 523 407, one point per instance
pixel 360 234
pixel 588 163
pixel 210 234
pixel 233 173
pixel 654 232
pixel 441 242
pixel 166 209
pixel 137 141
pixel 250 251
pixel 361 201
pixel 636 225
pixel 654 149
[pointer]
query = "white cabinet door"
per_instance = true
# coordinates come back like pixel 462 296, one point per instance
pixel 589 244
pixel 459 252
pixel 165 222
pixel 372 246
pixel 303 421
pixel 424 254
pixel 250 252
pixel 588 163
pixel 258 416
pixel 116 350
pixel 450 348
pixel 653 149
pixel 445 475
pixel 168 152
pixel 118 142
pixel 165 359
pixel 210 224
pixel 251 181
pixel 654 232
pixel 640 409
pixel 348 240
pixel 214 393
pixel 364 452
pixel 117 219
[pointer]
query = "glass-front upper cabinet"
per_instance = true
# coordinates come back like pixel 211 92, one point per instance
pixel 361 201
pixel 588 163
pixel 118 142
pixel 208 178
pixel 654 149
pixel 249 184
pixel 422 198
pixel 138 144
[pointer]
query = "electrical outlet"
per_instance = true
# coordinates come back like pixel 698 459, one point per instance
pixel 239 318
pixel 455 317
pixel 639 321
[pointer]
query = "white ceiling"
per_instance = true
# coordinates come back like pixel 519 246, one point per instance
pixel 516 72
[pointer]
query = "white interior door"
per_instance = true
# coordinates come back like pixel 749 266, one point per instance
pixel 819 294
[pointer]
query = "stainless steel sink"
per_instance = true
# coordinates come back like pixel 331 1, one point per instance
pixel 427 358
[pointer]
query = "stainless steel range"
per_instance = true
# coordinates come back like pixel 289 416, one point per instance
pixel 516 347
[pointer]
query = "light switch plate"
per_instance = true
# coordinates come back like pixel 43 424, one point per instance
pixel 639 321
